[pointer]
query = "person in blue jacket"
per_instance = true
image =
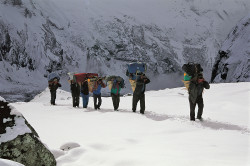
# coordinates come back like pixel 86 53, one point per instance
pixel 97 93
pixel 85 93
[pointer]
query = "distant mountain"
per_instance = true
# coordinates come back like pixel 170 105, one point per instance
pixel 233 60
pixel 37 37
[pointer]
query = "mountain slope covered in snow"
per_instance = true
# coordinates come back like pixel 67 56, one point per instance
pixel 164 135
pixel 37 37
pixel 233 61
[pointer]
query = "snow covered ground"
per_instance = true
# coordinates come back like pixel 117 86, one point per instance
pixel 4 162
pixel 163 136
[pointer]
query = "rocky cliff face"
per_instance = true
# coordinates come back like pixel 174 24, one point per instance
pixel 19 141
pixel 37 37
pixel 233 60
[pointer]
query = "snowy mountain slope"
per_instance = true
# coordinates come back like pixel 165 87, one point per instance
pixel 163 136
pixel 233 61
pixel 103 36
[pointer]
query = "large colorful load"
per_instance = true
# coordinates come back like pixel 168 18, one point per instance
pixel 192 71
pixel 92 81
pixel 53 77
pixel 80 77
pixel 110 80
pixel 134 71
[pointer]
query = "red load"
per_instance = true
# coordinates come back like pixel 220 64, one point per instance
pixel 80 77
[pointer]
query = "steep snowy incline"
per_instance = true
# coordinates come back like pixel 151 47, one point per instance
pixel 37 37
pixel 164 135
pixel 233 61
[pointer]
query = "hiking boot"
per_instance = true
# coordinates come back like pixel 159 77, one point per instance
pixel 192 119
pixel 200 118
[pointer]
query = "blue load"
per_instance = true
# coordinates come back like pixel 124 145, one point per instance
pixel 134 68
pixel 52 76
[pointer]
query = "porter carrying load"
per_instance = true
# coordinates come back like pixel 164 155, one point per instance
pixel 134 71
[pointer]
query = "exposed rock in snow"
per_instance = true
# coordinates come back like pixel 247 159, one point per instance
pixel 19 141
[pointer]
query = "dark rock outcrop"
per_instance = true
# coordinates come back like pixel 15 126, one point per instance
pixel 19 141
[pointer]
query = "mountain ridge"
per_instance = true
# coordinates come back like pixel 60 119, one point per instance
pixel 102 37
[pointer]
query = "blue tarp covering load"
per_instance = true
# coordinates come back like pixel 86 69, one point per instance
pixel 52 76
pixel 133 68
pixel 134 71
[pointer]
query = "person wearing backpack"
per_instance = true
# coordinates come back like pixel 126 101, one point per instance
pixel 138 94
pixel 97 93
pixel 195 90
pixel 53 86
pixel 75 92
pixel 85 93
pixel 115 93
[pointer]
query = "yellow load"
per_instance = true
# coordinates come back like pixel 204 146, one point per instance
pixel 186 84
pixel 133 84
pixel 91 83
pixel 110 84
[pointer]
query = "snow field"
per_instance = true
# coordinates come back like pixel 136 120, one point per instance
pixel 163 136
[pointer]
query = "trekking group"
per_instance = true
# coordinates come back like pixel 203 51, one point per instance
pixel 81 84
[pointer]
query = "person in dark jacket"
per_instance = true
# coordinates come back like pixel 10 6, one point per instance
pixel 75 91
pixel 85 93
pixel 138 94
pixel 53 86
pixel 115 94
pixel 196 87
pixel 97 93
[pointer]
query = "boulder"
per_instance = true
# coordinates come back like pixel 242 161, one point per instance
pixel 19 141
